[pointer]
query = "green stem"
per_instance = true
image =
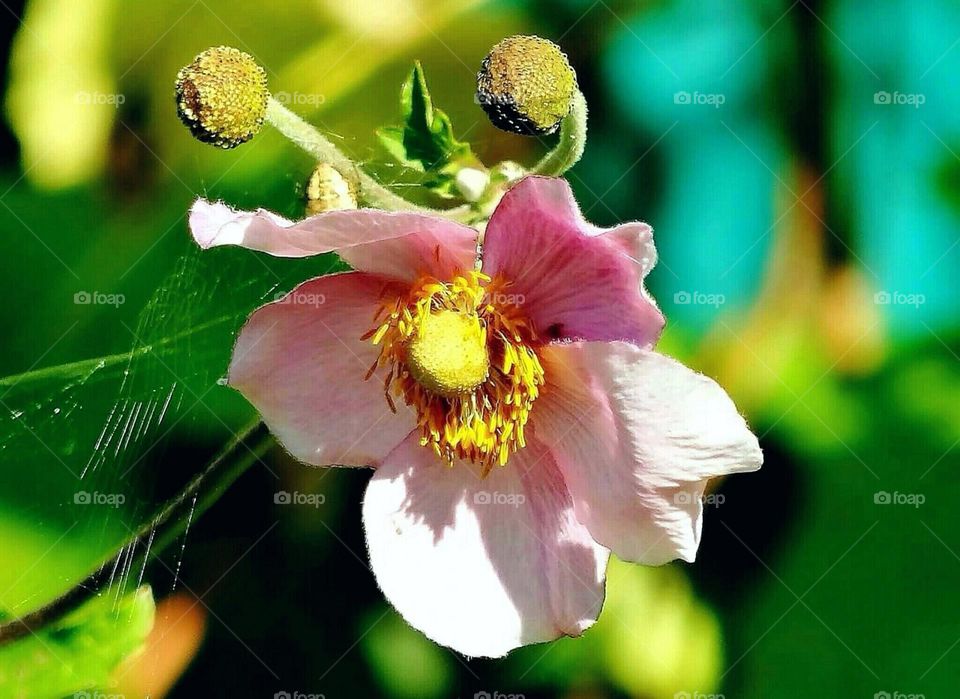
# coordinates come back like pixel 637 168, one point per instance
pixel 573 139
pixel 372 192
pixel 170 522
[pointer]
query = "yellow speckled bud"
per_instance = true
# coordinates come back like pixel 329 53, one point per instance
pixel 222 96
pixel 526 85
pixel 328 190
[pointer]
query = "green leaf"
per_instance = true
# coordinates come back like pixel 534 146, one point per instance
pixel 425 141
pixel 80 652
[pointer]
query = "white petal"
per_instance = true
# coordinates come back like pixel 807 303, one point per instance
pixel 482 566
pixel 637 436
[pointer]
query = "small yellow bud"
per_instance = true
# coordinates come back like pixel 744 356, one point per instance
pixel 526 85
pixel 328 190
pixel 222 96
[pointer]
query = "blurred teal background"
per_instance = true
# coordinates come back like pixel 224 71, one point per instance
pixel 800 164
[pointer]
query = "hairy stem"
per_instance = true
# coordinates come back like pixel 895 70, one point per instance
pixel 573 139
pixel 319 146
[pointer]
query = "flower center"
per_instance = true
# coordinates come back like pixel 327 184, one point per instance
pixel 465 361
pixel 448 353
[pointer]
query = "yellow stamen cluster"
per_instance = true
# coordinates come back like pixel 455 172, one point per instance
pixel 465 361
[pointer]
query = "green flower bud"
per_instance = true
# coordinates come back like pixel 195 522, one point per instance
pixel 328 190
pixel 526 85
pixel 222 96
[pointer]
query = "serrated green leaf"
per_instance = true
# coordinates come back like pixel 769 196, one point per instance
pixel 425 140
pixel 78 653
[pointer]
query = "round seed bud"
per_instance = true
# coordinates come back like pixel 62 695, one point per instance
pixel 328 190
pixel 526 85
pixel 222 96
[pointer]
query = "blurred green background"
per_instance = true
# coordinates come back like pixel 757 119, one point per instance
pixel 800 164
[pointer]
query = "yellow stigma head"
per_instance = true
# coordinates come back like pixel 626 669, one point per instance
pixel 526 85
pixel 448 353
pixel 222 96
pixel 466 363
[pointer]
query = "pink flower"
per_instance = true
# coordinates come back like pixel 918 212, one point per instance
pixel 520 424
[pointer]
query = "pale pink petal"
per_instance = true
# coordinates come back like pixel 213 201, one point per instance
pixel 395 244
pixel 574 280
pixel 301 363
pixel 637 436
pixel 482 566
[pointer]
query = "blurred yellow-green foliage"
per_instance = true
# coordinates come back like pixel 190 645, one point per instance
pixel 799 163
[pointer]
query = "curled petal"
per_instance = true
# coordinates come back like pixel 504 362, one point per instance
pixel 394 244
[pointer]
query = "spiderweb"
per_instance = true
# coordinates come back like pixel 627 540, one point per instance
pixel 94 448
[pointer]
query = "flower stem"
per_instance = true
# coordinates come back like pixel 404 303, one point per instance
pixel 573 139
pixel 319 146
